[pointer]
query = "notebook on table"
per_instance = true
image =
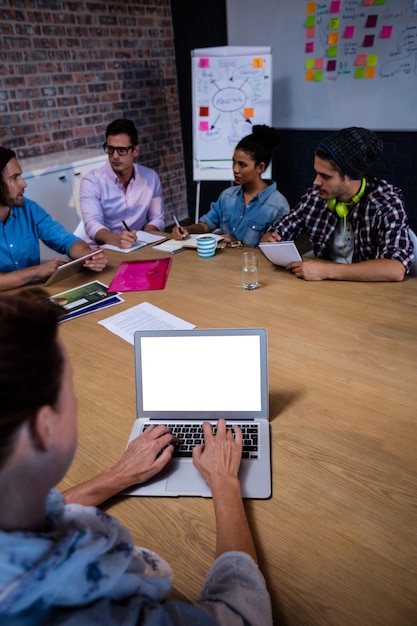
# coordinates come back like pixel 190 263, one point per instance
pixel 186 377
pixel 280 252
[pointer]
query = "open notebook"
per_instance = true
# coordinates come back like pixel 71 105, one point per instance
pixel 191 376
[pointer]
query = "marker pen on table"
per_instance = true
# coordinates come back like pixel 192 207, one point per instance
pixel 178 225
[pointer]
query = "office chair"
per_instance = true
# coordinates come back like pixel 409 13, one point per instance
pixel 413 237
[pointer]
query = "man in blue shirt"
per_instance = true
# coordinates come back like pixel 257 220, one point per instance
pixel 22 224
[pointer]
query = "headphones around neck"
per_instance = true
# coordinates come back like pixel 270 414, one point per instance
pixel 342 208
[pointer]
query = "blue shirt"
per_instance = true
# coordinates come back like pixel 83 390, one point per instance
pixel 247 224
pixel 20 234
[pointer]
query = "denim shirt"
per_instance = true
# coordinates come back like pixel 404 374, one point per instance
pixel 247 224
pixel 21 232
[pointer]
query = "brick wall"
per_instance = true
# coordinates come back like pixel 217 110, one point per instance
pixel 69 68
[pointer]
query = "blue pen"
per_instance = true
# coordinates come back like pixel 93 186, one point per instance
pixel 178 225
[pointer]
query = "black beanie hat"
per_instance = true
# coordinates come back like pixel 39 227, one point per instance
pixel 5 156
pixel 353 150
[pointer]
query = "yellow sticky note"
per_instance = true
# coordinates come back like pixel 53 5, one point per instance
pixel 334 23
pixel 309 64
pixel 372 60
pixel 258 62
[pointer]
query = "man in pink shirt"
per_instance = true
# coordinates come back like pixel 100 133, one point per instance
pixel 121 197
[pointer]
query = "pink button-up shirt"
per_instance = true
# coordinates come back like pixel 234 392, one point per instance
pixel 105 202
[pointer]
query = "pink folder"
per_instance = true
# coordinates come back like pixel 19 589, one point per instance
pixel 143 275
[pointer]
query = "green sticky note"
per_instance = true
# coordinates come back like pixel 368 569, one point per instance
pixel 332 51
pixel 310 21
pixel 318 75
pixel 359 72
pixel 379 2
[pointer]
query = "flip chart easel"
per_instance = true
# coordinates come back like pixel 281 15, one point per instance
pixel 231 92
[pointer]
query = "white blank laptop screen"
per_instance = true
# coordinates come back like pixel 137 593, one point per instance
pixel 185 373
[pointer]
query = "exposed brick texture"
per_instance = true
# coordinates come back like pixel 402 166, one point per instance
pixel 69 68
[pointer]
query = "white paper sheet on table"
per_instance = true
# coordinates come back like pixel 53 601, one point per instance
pixel 144 316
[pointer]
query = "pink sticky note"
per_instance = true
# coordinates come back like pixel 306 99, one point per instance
pixel 204 62
pixel 309 47
pixel 368 3
pixel 310 32
pixel 386 32
pixel 335 6
pixel 318 64
pixel 360 60
pixel 203 126
pixel 349 32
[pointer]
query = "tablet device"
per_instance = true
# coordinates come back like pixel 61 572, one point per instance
pixel 70 268
pixel 280 252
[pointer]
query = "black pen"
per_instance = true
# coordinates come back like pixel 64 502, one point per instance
pixel 178 225
pixel 126 226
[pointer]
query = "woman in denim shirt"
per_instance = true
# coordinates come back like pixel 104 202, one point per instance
pixel 244 212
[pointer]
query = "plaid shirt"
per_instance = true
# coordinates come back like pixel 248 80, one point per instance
pixel 379 224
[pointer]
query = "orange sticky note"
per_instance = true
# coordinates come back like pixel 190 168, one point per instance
pixel 248 112
pixel 369 72
pixel 309 75
pixel 204 111
pixel 311 8
pixel 258 62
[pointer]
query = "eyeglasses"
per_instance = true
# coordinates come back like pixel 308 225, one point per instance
pixel 120 151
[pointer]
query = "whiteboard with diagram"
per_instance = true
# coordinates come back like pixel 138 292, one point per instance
pixel 231 92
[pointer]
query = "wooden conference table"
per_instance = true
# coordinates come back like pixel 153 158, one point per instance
pixel 337 540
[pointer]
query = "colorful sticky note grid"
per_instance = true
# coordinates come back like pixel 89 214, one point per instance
pixel 371 21
pixel 204 111
pixel 333 38
pixel 334 6
pixel 203 126
pixel 331 66
pixel 248 112
pixel 386 32
pixel 258 62
pixel 368 41
pixel 204 62
pixel 310 8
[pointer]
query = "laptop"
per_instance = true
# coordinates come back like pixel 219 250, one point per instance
pixel 70 268
pixel 190 376
pixel 280 252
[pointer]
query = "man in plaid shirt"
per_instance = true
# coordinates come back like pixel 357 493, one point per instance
pixel 356 223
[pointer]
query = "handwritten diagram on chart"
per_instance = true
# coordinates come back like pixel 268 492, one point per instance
pixel 231 93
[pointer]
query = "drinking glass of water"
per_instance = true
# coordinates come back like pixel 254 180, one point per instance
pixel 250 270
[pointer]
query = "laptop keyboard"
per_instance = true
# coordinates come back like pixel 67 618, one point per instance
pixel 191 435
